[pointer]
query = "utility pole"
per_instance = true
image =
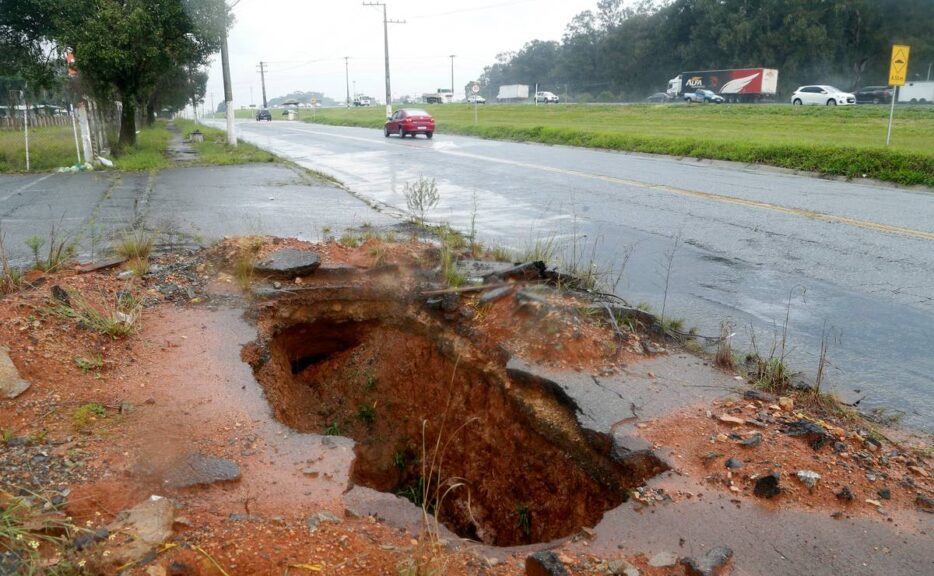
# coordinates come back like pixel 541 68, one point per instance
pixel 262 78
pixel 452 76
pixel 213 109
pixel 386 23
pixel 228 92
pixel 347 77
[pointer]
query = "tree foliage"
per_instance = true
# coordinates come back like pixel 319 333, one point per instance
pixel 630 49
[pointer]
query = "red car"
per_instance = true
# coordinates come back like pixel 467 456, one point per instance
pixel 410 121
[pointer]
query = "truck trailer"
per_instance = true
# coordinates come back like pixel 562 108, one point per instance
pixel 737 85
pixel 512 92
pixel 917 92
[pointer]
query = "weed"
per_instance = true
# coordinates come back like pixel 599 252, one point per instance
pixel 367 414
pixel 348 240
pixel 501 254
pixel 333 429
pixel 60 250
pixel 138 266
pixel 524 519
pixel 541 250
pixel 134 244
pixel 420 197
pixel 370 383
pixel 670 257
pixel 724 356
pixel 35 243
pixel 245 264
pixel 413 492
pixel 400 459
pixel 86 365
pixel 30 535
pixel 116 319
pixel 10 278
pixel 86 415
pixel 378 254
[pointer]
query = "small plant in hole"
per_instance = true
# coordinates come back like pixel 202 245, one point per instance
pixel 35 243
pixel 134 244
pixel 524 519
pixel 420 197
pixel 370 383
pixel 138 266
pixel 367 414
pixel 86 415
pixel 10 278
pixel 333 429
pixel 116 318
pixel 348 240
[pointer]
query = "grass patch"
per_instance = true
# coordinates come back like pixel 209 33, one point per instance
pixel 214 150
pixel 149 152
pixel 117 318
pixel 135 243
pixel 49 148
pixel 33 541
pixel 84 417
pixel 841 141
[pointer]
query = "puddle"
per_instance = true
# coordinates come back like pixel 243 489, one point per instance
pixel 434 420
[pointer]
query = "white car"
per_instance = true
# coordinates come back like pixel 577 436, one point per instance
pixel 822 96
pixel 475 99
pixel 546 97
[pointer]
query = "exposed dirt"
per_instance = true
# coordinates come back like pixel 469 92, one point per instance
pixel 883 479
pixel 176 386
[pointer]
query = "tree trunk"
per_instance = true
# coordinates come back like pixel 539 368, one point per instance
pixel 150 114
pixel 128 124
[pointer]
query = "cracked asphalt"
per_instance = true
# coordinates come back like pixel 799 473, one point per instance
pixel 746 245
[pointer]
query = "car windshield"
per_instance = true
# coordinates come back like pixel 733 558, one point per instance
pixel 417 112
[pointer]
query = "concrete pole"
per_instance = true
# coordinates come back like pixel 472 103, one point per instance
pixel 347 78
pixel 452 77
pixel 386 49
pixel 228 95
pixel 262 79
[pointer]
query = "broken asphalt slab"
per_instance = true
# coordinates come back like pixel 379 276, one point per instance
pixel 201 470
pixel 289 263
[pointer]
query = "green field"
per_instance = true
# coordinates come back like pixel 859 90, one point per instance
pixel 842 141
pixel 49 148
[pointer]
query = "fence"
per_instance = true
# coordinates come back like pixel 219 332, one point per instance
pixel 37 137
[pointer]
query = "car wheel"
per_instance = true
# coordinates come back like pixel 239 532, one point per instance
pixel 876 101
pixel 386 131
pixel 429 134
pixel 831 102
pixel 796 102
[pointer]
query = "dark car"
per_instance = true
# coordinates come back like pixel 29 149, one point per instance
pixel 659 97
pixel 263 114
pixel 410 121
pixel 874 95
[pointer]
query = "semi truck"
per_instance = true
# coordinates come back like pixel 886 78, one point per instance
pixel 917 92
pixel 512 92
pixel 736 85
pixel 440 96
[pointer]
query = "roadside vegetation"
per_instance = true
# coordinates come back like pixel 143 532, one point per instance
pixel 50 147
pixel 214 150
pixel 846 142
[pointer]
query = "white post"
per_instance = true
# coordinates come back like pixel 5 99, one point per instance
pixel 26 130
pixel 536 94
pixel 475 110
pixel 85 125
pixel 888 135
pixel 74 127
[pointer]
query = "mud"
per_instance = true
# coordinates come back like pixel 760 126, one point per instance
pixel 434 418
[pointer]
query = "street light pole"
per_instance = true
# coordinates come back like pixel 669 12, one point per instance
pixel 228 91
pixel 452 77
pixel 386 23
pixel 347 77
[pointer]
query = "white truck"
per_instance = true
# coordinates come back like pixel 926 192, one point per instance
pixel 917 92
pixel 513 92
pixel 440 96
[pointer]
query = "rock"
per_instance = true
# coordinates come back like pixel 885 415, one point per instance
pixel 925 503
pixel 319 518
pixel 663 560
pixel 727 419
pixel 636 455
pixel 844 494
pixel 155 570
pixel 919 471
pixel 815 434
pixel 716 562
pixel 760 396
pixel 60 294
pixel 11 384
pixel 180 569
pixel 527 271
pixel 884 493
pixel 733 464
pixel 544 563
pixel 753 440
pixel 808 477
pixel 11 564
pixel 767 486
pixel 450 302
pixel 198 469
pixel 872 502
pixel 495 294
pixel 140 529
pixel 289 262
pixel 786 403
pixel 621 568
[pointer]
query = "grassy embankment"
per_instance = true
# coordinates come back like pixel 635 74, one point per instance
pixel 54 147
pixel 842 141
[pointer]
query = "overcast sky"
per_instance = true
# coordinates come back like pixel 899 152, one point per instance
pixel 305 41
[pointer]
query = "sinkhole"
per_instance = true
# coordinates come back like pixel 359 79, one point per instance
pixel 434 419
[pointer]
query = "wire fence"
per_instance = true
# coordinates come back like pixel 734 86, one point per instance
pixel 36 135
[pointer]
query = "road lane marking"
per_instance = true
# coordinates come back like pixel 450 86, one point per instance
pixel 710 196
pixel 25 187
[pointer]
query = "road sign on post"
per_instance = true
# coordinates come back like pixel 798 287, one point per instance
pixel 898 73
pixel 475 89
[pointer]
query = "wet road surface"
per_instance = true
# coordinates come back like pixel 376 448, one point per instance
pixel 853 260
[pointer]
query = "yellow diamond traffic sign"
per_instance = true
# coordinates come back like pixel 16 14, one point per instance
pixel 898 70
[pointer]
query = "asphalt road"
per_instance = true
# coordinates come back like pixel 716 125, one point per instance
pixel 748 245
